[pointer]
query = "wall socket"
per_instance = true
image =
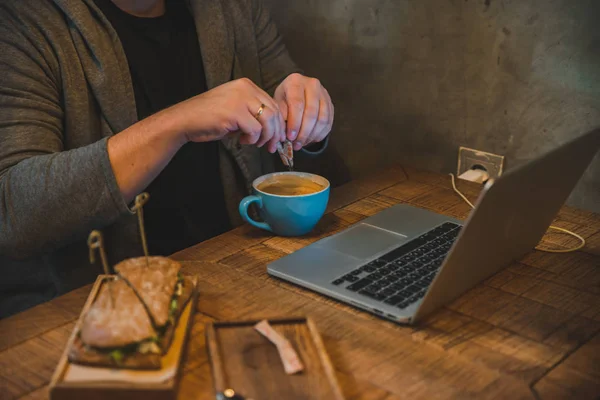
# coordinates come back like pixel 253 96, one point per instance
pixel 469 158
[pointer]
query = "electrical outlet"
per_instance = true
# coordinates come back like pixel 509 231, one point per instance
pixel 469 158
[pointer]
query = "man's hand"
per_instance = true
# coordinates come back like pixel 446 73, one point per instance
pixel 140 152
pixel 307 107
pixel 231 108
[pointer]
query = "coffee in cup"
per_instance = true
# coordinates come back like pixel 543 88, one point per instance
pixel 290 203
pixel 290 185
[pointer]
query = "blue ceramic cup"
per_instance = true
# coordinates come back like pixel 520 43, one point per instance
pixel 287 215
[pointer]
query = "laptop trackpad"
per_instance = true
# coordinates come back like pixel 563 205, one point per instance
pixel 363 241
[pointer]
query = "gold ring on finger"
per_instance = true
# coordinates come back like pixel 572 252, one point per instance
pixel 261 109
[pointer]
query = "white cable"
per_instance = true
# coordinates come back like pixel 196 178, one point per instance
pixel 568 232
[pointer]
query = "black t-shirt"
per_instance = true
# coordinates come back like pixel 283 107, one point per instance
pixel 186 200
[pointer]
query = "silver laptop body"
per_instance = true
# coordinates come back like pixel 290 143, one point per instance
pixel 434 256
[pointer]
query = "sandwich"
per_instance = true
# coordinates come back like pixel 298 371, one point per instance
pixel 132 321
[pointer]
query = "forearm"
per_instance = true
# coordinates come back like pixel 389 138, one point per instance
pixel 46 201
pixel 139 153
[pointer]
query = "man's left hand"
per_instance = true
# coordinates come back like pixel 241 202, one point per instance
pixel 307 107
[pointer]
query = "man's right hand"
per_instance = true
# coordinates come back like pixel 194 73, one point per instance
pixel 231 108
pixel 140 152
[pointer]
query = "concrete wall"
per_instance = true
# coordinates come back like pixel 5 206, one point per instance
pixel 414 79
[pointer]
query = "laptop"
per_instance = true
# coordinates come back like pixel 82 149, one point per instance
pixel 405 262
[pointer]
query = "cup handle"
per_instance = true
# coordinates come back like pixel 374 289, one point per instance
pixel 244 204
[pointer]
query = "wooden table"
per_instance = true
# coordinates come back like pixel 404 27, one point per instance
pixel 531 331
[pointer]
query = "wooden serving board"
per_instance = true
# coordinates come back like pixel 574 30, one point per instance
pixel 244 360
pixel 72 381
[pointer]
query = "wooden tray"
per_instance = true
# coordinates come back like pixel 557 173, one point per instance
pixel 247 362
pixel 72 381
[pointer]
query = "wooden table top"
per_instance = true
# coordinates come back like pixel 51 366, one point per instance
pixel 531 331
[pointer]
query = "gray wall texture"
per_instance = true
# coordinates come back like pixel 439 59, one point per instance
pixel 412 80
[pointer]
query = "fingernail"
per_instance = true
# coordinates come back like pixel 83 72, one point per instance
pixel 297 146
pixel 292 135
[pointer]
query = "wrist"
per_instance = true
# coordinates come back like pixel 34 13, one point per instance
pixel 315 149
pixel 169 128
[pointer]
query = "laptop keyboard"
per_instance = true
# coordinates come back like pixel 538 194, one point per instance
pixel 402 276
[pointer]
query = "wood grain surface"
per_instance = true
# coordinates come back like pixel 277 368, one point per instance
pixel 242 359
pixel 532 331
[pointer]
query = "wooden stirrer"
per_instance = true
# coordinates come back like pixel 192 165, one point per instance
pixel 138 208
pixel 95 241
